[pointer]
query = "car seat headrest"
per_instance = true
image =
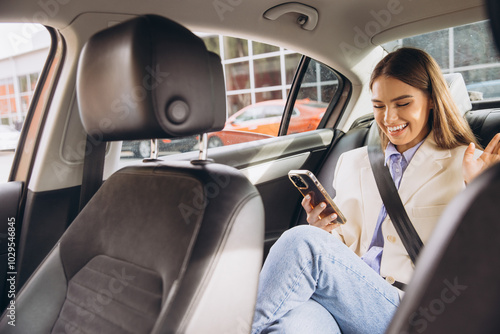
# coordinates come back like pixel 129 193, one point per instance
pixel 458 90
pixel 149 77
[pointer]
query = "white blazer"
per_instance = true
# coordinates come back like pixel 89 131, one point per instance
pixel 431 180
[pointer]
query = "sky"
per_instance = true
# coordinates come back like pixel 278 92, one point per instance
pixel 17 38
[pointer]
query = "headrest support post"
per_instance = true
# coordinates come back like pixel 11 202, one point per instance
pixel 203 147
pixel 202 157
pixel 154 149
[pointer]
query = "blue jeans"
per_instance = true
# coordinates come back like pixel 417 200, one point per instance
pixel 312 283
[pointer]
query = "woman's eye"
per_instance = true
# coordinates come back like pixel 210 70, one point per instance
pixel 403 104
pixel 378 107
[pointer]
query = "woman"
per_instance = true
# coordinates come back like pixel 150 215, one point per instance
pixel 346 280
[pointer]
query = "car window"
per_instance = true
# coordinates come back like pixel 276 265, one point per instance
pixel 23 51
pixel 317 89
pixel 466 49
pixel 258 78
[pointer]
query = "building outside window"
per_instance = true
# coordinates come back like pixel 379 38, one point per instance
pixel 254 71
pixel 24 50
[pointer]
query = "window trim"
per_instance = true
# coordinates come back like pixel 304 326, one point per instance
pixel 29 140
pixel 294 91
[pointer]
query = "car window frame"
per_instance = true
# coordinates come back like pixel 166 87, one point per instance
pixel 34 124
pixel 294 91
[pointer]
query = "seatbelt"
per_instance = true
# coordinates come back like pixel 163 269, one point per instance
pixel 93 168
pixel 392 201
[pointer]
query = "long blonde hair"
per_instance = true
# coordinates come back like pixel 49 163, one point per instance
pixel 416 68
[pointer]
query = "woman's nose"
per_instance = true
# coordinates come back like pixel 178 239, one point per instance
pixel 391 115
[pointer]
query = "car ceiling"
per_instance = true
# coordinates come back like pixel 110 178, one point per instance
pixel 339 20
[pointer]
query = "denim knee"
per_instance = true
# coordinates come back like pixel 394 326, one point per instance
pixel 305 238
pixel 309 317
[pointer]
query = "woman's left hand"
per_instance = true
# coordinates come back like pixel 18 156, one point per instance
pixel 473 167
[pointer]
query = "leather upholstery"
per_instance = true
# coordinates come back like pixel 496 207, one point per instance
pixel 455 285
pixel 484 123
pixel 149 78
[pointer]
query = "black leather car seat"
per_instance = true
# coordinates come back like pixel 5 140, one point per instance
pixel 161 247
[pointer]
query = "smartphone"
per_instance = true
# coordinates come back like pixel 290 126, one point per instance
pixel 308 184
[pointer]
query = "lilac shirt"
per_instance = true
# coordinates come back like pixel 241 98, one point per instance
pixel 397 166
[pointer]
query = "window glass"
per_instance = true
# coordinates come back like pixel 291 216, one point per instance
pixel 267 72
pixel 23 52
pixel 213 43
pixel 291 63
pixel 258 77
pixel 237 102
pixel 259 48
pixel 268 95
pixel 467 49
pixel 318 87
pixel 235 47
pixel 238 76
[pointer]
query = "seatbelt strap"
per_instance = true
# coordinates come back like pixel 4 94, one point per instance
pixel 93 168
pixel 392 202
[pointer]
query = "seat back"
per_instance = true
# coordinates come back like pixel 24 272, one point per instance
pixel 161 247
pixel 455 286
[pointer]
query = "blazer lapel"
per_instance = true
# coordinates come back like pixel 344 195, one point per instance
pixel 425 164
pixel 370 197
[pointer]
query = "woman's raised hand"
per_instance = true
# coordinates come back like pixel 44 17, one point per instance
pixel 313 215
pixel 473 167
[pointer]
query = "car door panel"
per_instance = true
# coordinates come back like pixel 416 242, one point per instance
pixel 47 214
pixel 267 162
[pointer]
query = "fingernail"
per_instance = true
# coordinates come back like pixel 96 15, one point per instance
pixel 323 205
pixel 308 196
pixel 333 217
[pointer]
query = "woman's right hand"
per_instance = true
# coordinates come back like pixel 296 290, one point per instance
pixel 313 215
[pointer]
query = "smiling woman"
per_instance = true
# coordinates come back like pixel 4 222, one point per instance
pixel 409 84
pixel 352 283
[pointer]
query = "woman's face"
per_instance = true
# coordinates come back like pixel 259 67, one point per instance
pixel 401 111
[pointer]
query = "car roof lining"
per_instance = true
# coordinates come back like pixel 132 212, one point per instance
pixel 245 19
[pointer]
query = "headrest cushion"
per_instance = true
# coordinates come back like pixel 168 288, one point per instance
pixel 458 91
pixel 149 78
